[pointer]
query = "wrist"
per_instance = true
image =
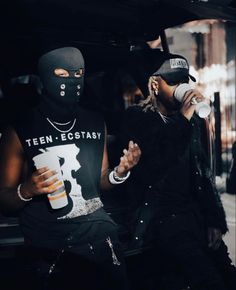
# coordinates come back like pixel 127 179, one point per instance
pixel 21 194
pixel 118 174
pixel 115 179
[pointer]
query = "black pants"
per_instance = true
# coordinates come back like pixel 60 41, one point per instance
pixel 181 239
pixel 97 264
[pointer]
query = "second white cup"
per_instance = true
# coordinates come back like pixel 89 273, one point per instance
pixel 202 108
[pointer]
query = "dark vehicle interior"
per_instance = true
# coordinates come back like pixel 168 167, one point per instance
pixel 113 36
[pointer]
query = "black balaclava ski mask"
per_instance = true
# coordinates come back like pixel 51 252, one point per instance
pixel 61 94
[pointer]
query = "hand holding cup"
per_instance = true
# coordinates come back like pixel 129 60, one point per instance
pixel 52 179
pixel 184 92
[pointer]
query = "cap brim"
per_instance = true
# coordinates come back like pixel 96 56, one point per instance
pixel 177 77
pixel 192 78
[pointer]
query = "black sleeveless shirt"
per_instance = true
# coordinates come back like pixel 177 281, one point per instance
pixel 79 146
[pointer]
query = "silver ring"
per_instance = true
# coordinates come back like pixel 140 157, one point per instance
pixel 193 101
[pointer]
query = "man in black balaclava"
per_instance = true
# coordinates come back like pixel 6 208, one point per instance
pixel 78 236
pixel 62 74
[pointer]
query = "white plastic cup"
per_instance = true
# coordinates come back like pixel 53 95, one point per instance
pixel 202 108
pixel 58 198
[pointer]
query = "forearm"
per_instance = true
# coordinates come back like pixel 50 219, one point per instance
pixel 112 178
pixel 105 184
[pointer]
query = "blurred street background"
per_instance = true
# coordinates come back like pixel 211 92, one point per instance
pixel 229 202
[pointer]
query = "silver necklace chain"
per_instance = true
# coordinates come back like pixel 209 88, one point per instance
pixel 164 118
pixel 62 124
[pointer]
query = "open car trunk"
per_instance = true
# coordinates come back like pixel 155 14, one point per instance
pixel 104 30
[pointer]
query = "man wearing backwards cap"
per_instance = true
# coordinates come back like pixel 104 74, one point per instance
pixel 173 177
pixel 80 237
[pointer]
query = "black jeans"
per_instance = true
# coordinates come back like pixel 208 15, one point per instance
pixel 97 264
pixel 181 238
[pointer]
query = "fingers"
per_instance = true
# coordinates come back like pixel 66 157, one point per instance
pixel 42 170
pixel 193 97
pixel 130 157
pixel 44 181
pixel 134 149
pixel 133 154
pixel 193 101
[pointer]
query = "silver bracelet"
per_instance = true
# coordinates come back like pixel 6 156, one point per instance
pixel 118 177
pixel 19 194
pixel 114 179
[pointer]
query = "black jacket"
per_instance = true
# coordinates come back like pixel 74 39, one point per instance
pixel 173 174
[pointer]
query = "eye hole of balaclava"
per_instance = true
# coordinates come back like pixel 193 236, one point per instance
pixel 62 74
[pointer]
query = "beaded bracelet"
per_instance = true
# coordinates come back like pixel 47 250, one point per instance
pixel 20 196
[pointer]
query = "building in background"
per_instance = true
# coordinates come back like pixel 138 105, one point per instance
pixel 210 47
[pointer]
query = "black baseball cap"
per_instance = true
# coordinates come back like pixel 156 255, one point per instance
pixel 174 69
